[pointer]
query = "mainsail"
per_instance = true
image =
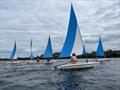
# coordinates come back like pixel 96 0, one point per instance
pixel 14 54
pixel 100 50
pixel 31 52
pixel 73 42
pixel 48 52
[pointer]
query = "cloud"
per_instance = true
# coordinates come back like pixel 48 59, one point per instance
pixel 22 20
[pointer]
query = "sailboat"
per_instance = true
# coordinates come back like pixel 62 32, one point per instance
pixel 13 55
pixel 48 51
pixel 31 54
pixel 73 44
pixel 100 51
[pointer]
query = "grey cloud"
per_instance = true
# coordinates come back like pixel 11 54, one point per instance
pixel 22 20
pixel 104 10
pixel 112 27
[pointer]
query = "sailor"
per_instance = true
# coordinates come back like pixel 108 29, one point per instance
pixel 37 60
pixel 48 61
pixel 73 58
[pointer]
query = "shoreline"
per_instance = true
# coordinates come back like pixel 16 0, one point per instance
pixel 5 59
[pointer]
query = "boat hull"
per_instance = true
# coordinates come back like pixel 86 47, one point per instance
pixel 30 62
pixel 77 65
pixel 14 62
pixel 48 63
pixel 103 59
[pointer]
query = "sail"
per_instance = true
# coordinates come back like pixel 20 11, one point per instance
pixel 100 50
pixel 84 50
pixel 31 53
pixel 48 52
pixel 14 54
pixel 73 42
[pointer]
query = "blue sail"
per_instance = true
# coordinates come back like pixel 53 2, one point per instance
pixel 84 51
pixel 48 52
pixel 13 54
pixel 70 38
pixel 100 50
pixel 31 53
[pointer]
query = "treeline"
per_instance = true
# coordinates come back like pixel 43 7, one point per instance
pixel 108 54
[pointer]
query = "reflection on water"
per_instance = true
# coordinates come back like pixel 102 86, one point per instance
pixel 70 80
pixel 106 76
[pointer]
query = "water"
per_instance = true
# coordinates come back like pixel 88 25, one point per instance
pixel 106 76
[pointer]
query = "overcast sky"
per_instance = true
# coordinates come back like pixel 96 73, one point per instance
pixel 22 20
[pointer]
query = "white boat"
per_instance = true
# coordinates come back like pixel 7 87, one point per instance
pixel 74 44
pixel 30 62
pixel 48 63
pixel 103 59
pixel 14 62
pixel 77 65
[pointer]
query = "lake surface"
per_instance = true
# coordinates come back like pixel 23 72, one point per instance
pixel 23 76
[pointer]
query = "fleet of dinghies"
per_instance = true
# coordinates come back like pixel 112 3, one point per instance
pixel 73 44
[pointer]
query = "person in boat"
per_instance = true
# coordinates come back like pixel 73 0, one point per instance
pixel 37 60
pixel 48 61
pixel 73 58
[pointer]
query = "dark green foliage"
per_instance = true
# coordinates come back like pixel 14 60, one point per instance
pixel 108 54
pixel 56 54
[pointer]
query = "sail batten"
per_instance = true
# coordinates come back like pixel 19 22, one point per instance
pixel 100 50
pixel 48 52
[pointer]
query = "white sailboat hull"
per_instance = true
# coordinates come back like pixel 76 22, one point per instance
pixel 31 62
pixel 14 62
pixel 77 65
pixel 103 59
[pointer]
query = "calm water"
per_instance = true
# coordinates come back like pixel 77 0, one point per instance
pixel 106 76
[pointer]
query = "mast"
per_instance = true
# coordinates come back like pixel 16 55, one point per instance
pixel 48 51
